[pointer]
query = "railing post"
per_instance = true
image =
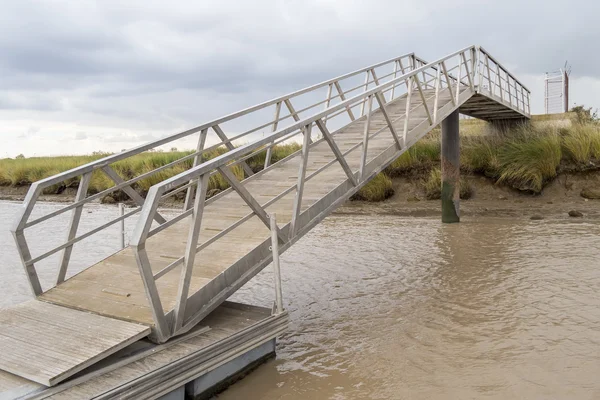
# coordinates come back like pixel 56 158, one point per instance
pixel 197 160
pixel 276 269
pixel 300 183
pixel 138 244
pixel 508 87
pixel 487 64
pixel 328 102
pixel 395 76
pixel 438 78
pixel 458 80
pixel 365 145
pixel 500 87
pixel 122 225
pixel 73 225
pixel 475 51
pixel 407 112
pixel 366 85
pixel 275 123
pixel 190 253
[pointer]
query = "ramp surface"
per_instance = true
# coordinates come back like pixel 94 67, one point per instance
pixel 47 343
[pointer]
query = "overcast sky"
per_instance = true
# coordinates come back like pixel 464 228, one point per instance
pixel 79 76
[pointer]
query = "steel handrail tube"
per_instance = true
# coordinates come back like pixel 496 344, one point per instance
pixel 225 158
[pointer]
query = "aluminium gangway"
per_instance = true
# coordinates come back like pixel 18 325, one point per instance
pixel 176 271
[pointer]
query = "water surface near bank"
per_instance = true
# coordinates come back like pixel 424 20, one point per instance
pixel 407 308
pixel 393 307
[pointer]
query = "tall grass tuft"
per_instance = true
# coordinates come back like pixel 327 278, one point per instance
pixel 25 171
pixel 529 160
pixel 377 189
pixel 422 155
pixel 480 154
pixel 433 186
pixel 581 143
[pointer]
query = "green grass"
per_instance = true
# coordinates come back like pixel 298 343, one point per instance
pixel 528 162
pixel 433 186
pixel 25 171
pixel 581 143
pixel 422 155
pixel 526 157
pixel 377 189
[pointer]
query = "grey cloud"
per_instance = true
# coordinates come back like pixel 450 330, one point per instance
pixel 154 64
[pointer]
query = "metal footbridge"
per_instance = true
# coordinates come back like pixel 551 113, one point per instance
pixel 177 270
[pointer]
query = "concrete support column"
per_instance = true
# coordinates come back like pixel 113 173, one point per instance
pixel 450 169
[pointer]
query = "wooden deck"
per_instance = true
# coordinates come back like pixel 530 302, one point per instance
pixel 46 343
pixel 147 370
pixel 114 288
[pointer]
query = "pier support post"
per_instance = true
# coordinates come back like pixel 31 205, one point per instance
pixel 450 169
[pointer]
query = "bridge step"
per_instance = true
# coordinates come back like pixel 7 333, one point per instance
pixel 47 343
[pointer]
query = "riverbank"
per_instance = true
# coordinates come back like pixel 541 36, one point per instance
pixel 562 195
pixel 487 198
pixel 521 163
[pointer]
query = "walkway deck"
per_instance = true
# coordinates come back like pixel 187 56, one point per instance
pixel 147 370
pixel 113 287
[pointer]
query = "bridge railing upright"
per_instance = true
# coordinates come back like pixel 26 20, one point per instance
pixel 495 80
pixel 451 77
pixel 217 136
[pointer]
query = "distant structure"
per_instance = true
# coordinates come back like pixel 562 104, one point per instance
pixel 556 90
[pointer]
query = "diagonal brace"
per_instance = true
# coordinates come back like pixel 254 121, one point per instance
pixel 443 64
pixel 343 98
pixel 230 146
pixel 135 196
pixel 247 197
pixel 296 117
pixel 336 151
pixel 381 102
pixel 420 88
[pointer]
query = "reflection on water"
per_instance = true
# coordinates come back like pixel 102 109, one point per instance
pixel 408 308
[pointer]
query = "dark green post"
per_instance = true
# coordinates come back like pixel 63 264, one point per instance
pixel 450 169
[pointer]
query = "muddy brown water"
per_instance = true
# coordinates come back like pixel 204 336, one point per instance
pixel 386 307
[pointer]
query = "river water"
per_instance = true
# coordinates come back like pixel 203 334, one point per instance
pixel 386 307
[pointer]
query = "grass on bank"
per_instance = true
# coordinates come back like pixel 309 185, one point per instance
pixel 526 158
pixel 433 186
pixel 25 171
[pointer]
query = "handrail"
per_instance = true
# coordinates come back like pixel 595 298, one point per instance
pixel 503 68
pixel 225 158
pixel 139 149
pixel 104 165
pixel 458 75
pixel 415 79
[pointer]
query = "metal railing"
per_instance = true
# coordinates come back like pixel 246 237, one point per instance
pixel 331 92
pixel 451 75
pixel 501 84
pixel 324 107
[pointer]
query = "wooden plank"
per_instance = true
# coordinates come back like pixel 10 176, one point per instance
pixel 55 343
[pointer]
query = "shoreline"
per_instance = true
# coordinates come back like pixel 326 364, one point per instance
pixel 409 200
